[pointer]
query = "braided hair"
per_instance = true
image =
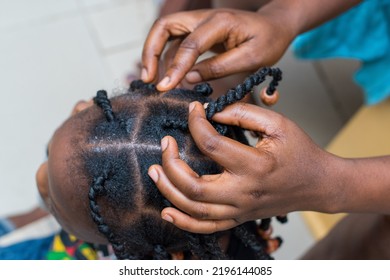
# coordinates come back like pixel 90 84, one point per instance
pixel 124 140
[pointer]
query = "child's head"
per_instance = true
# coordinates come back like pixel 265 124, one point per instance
pixel 95 181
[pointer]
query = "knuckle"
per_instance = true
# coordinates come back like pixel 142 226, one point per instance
pixel 160 22
pixel 196 191
pixel 209 145
pixel 177 66
pixel 191 45
pixel 224 16
pixel 201 211
pixel 216 227
pixel 240 111
pixel 279 126
pixel 216 70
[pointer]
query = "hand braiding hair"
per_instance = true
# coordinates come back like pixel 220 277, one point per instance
pixel 202 246
pixel 240 91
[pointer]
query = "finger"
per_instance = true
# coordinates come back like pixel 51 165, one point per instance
pixel 153 47
pixel 230 154
pixel 167 60
pixel 250 117
pixel 230 62
pixel 195 44
pixel 189 183
pixel 201 210
pixel 188 223
pixel 178 24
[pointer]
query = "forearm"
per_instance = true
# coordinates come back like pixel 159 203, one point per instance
pixel 361 185
pixel 303 15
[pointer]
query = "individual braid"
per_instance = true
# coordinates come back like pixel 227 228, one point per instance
pixel 204 88
pixel 97 189
pixel 239 92
pixel 195 247
pixel 103 102
pixel 175 124
pixel 139 84
pixel 211 245
pixel 159 253
pixel 251 241
pixel 277 77
pixel 205 247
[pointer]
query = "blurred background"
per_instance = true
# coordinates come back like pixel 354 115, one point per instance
pixel 55 53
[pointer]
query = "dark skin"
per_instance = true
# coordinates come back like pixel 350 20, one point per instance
pixel 57 188
pixel 249 40
pixel 281 174
pixel 56 183
pixel 286 171
pixel 369 231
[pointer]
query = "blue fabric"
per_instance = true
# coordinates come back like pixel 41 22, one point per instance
pixel 34 249
pixel 361 33
pixel 6 226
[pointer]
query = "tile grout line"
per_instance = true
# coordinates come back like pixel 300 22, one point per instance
pixel 41 21
pixel 84 12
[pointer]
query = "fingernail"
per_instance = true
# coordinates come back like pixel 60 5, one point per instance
pixel 164 143
pixel 153 174
pixel 167 218
pixel 193 77
pixel 191 107
pixel 144 74
pixel 164 82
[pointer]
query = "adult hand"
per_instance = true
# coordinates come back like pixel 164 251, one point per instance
pixel 250 40
pixel 284 172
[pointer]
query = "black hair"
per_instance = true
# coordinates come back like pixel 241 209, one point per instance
pixel 125 140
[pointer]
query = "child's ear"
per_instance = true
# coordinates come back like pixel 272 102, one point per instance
pixel 80 106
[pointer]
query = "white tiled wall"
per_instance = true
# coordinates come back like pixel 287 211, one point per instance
pixel 54 53
pixel 18 13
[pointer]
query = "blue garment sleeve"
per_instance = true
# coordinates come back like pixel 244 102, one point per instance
pixel 6 226
pixel 34 249
pixel 361 33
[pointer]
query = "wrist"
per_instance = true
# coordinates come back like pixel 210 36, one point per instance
pixel 303 15
pixel 331 186
pixel 365 184
pixel 356 185
pixel 287 14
